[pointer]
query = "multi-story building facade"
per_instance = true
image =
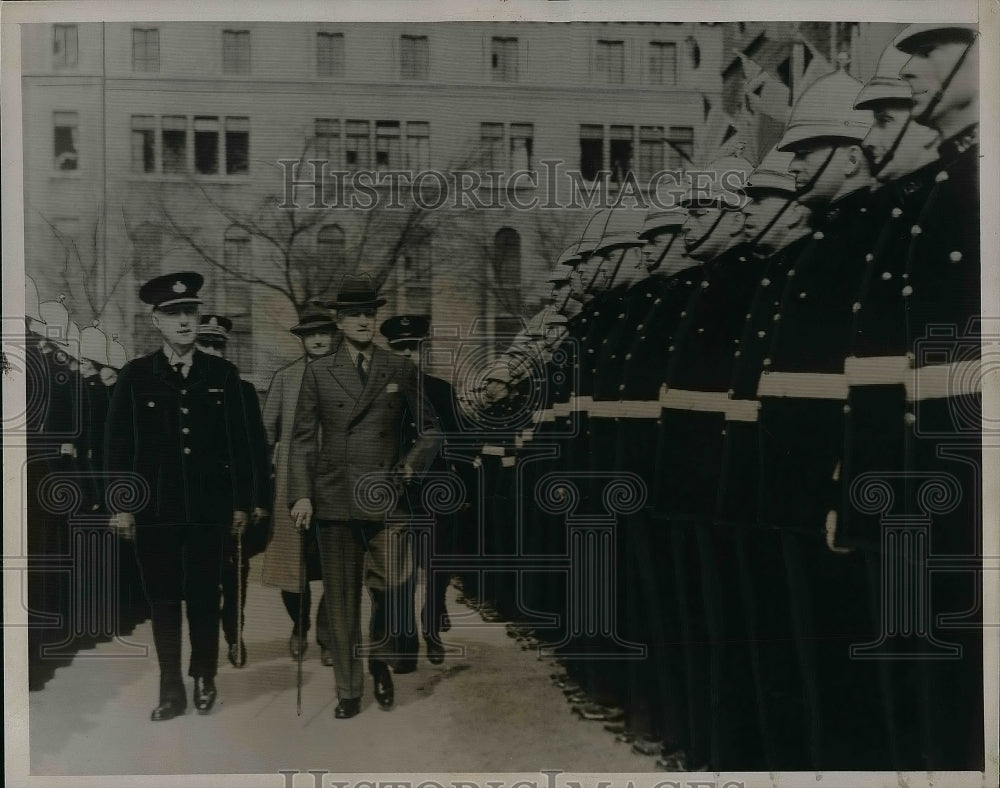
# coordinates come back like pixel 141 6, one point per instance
pixel 156 147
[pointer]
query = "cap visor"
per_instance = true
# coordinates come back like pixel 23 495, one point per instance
pixel 177 301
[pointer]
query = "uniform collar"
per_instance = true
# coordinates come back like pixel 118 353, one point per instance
pixel 187 359
pixel 953 147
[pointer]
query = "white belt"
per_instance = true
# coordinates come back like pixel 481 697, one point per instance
pixel 803 385
pixel 625 409
pixel 710 402
pixel 493 451
pixel 935 381
pixel 877 370
pixel 945 380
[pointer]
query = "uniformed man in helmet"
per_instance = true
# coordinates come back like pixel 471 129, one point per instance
pixel 943 418
pixel 688 460
pixel 776 230
pixel 803 393
pixel 177 420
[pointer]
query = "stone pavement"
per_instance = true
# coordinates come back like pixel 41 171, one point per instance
pixel 493 708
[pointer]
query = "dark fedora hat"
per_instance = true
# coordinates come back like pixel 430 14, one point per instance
pixel 311 318
pixel 357 291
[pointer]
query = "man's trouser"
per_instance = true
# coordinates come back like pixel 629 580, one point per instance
pixel 182 561
pixel 377 554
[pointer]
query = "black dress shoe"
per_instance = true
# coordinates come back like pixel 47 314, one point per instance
pixel 204 694
pixel 238 654
pixel 347 708
pixel 435 652
pixel 168 709
pixel 407 665
pixel 384 691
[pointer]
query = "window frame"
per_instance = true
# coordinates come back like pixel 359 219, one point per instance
pixel 242 34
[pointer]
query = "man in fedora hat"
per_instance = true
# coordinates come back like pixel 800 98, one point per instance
pixel 357 398
pixel 282 559
pixel 177 421
pixel 213 336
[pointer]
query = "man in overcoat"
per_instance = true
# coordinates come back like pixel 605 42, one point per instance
pixel 282 560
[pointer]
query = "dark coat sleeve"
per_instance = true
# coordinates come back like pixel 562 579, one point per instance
pixel 120 428
pixel 261 467
pixel 305 436
pixel 240 447
pixel 430 438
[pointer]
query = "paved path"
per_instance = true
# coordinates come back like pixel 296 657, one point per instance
pixel 492 709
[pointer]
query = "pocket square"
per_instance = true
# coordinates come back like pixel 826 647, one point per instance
pixel 391 388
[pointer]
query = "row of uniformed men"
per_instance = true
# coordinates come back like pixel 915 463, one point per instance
pixel 792 371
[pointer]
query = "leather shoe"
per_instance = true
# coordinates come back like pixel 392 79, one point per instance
pixel 204 694
pixel 168 709
pixel 435 652
pixel 293 646
pixel 238 654
pixel 347 708
pixel 384 691
pixel 326 656
pixel 407 665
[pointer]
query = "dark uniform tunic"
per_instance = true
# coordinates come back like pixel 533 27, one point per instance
pixel 187 440
pixel 763 591
pixel 688 464
pixel 943 426
pixel 803 395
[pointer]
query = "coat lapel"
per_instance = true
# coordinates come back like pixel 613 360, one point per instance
pixel 163 370
pixel 343 371
pixel 199 369
pixel 378 376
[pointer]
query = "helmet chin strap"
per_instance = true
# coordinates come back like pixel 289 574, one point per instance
pixel 707 234
pixel 877 165
pixel 939 93
pixel 663 255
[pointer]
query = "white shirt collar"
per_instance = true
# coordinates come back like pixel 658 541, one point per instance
pixel 186 360
pixel 367 353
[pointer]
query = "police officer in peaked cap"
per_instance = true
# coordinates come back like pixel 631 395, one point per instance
pixel 176 431
pixel 213 336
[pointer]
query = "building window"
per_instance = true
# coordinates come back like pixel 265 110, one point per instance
pixel 65 45
pixel 415 274
pixel 491 142
pixel 330 247
pixel 237 146
pixel 143 143
pixel 145 50
pixel 507 269
pixel 418 145
pixel 235 51
pixel 662 63
pixel 620 149
pixel 650 150
pixel 522 137
pixel 609 62
pixel 388 155
pixel 173 137
pixel 504 59
pixel 330 54
pixel 328 140
pixel 591 151
pixel 206 145
pixel 236 252
pixel 414 57
pixel 66 140
pixel 147 250
pixel 680 144
pixel 357 155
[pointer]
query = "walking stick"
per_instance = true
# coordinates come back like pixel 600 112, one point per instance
pixel 302 593
pixel 239 599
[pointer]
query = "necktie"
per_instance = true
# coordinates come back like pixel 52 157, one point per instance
pixel 179 368
pixel 362 372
